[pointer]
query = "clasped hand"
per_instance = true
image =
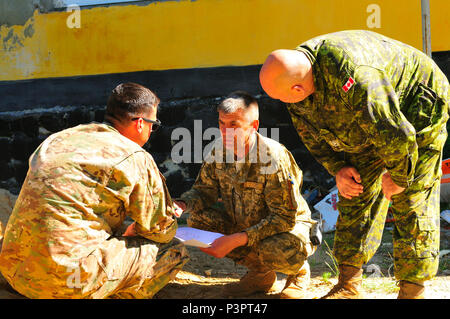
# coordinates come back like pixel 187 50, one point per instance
pixel 179 207
pixel 348 182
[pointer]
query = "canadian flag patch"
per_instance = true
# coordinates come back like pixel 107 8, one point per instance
pixel 349 84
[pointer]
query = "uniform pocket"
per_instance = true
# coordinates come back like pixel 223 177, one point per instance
pixel 253 193
pixel 253 200
pixel 416 237
pixel 427 170
pixel 427 238
pixel 422 107
pixel 332 140
pixel 340 146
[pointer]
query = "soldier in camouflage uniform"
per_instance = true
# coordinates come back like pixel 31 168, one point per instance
pixel 373 112
pixel 65 239
pixel 262 213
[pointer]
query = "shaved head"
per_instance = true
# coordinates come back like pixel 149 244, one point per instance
pixel 287 75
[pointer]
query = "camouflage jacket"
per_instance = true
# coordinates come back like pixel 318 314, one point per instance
pixel 262 198
pixel 81 184
pixel 375 94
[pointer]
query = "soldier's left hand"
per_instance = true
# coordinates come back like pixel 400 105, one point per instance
pixel 389 187
pixel 130 231
pixel 223 245
pixel 180 207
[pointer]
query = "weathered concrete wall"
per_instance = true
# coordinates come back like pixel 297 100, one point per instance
pixel 191 53
pixel 18 12
pixel 165 35
pixel 21 133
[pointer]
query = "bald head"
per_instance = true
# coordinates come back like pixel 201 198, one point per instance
pixel 287 75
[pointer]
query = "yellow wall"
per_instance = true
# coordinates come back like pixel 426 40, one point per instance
pixel 202 33
pixel 440 25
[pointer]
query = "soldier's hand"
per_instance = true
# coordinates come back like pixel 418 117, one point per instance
pixel 130 231
pixel 223 245
pixel 348 182
pixel 180 207
pixel 389 187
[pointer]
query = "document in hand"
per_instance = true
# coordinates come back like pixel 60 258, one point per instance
pixel 196 237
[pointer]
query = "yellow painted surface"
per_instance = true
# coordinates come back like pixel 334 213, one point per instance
pixel 202 33
pixel 440 25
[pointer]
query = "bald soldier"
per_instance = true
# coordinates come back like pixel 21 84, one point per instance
pixel 373 112
pixel 64 238
pixel 264 218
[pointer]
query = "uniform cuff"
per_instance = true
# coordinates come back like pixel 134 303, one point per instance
pixel 163 236
pixel 192 203
pixel 252 236
pixel 403 173
pixel 401 181
pixel 334 168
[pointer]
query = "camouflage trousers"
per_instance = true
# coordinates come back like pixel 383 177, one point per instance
pixel 132 268
pixel 284 252
pixel 416 214
pixel 122 267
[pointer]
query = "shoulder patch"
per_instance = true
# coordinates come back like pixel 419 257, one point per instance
pixel 349 84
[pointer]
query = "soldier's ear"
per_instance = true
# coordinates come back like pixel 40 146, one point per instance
pixel 255 124
pixel 298 88
pixel 140 125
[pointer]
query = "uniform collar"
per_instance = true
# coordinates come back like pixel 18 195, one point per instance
pixel 312 102
pixel 109 124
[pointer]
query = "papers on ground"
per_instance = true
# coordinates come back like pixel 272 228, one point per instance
pixel 445 215
pixel 329 213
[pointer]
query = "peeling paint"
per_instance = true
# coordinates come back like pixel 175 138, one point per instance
pixel 15 53
pixel 181 34
pixel 15 36
pixel 89 4
pixel 18 12
pixel 29 30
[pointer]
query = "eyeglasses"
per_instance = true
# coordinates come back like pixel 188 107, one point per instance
pixel 156 124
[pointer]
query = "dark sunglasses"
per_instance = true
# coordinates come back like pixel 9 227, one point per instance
pixel 156 124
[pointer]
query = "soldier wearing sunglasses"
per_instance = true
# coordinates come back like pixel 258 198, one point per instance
pixel 65 236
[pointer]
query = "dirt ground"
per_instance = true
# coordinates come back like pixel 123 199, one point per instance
pixel 204 277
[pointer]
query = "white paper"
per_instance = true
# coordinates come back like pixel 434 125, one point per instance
pixel 446 215
pixel 196 237
pixel 328 210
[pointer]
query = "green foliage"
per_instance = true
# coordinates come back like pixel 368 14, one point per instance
pixel 334 265
pixel 326 276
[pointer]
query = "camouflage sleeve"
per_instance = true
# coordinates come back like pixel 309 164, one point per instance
pixel 321 151
pixel 205 191
pixel 281 194
pixel 378 111
pixel 145 197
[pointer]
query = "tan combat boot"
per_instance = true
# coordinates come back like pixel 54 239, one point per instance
pixel 296 285
pixel 348 285
pixel 259 278
pixel 253 282
pixel 409 290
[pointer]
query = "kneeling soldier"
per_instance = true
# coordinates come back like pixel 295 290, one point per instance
pixel 265 220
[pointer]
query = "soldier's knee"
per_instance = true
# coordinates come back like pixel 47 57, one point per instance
pixel 286 254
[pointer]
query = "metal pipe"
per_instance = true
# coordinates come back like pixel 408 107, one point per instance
pixel 426 27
